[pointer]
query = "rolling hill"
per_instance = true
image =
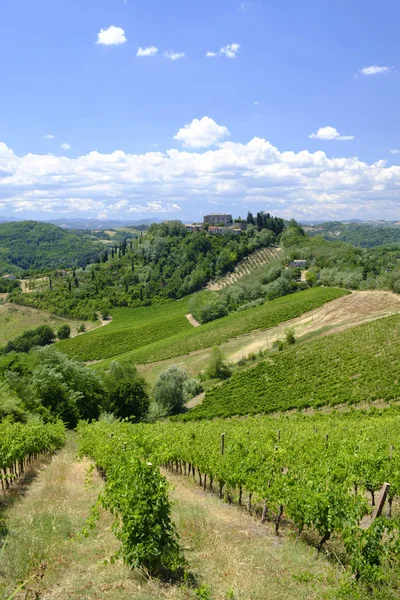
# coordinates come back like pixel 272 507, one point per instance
pixel 355 366
pixel 30 245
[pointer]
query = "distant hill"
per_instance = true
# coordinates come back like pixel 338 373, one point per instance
pixel 29 245
pixel 90 224
pixel 87 223
pixel 365 235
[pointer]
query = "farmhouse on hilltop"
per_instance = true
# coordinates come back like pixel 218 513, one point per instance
pixel 298 264
pixel 218 219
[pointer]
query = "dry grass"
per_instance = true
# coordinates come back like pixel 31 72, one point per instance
pixel 242 559
pixel 15 319
pixel 230 555
pixel 335 316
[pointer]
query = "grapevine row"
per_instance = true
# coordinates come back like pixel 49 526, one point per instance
pixel 137 494
pixel 358 365
pixel 20 444
pixel 320 474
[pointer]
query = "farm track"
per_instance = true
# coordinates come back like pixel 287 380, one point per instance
pixel 255 260
pixel 333 317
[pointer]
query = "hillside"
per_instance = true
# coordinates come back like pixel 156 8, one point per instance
pixel 358 365
pixel 30 245
pixel 365 235
pixel 144 335
pixel 167 262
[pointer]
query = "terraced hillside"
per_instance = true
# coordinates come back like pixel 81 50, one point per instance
pixel 356 366
pixel 255 260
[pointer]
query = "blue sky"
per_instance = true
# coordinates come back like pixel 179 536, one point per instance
pixel 281 117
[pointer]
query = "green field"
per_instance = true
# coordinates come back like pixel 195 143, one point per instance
pixel 156 347
pixel 130 328
pixel 359 365
pixel 15 319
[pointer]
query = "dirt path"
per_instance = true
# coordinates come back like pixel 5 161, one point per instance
pixel 227 551
pixel 335 316
pixel 103 323
pixel 240 558
pixel 192 320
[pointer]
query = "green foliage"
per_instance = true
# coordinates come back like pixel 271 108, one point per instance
pixel 290 466
pixel 19 441
pixel 169 264
pixel 217 368
pixel 65 387
pixel 8 285
pixel 224 329
pixel 10 404
pixel 208 306
pixel 51 385
pixel 137 494
pixel 169 391
pixel 41 336
pixel 364 235
pixel 29 245
pixel 110 342
pixel 354 366
pixel 64 332
pixel 290 336
pixel 126 392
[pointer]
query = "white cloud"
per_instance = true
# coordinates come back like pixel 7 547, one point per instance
pixel 394 151
pixel 173 55
pixel 201 133
pixel 375 70
pixel 233 177
pixel 65 146
pixel 149 51
pixel 113 36
pixel 210 54
pixel 256 103
pixel 49 136
pixel 329 133
pixel 230 50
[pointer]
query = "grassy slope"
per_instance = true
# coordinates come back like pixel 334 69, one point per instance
pixel 358 365
pixel 188 340
pixel 16 319
pixel 225 548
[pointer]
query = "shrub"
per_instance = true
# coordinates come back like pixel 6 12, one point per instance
pixel 217 368
pixel 64 332
pixel 126 392
pixel 290 338
pixel 170 388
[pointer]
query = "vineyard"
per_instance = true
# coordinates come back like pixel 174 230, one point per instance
pixel 257 259
pixel 216 332
pixel 130 328
pixel 20 444
pixel 358 365
pixel 317 475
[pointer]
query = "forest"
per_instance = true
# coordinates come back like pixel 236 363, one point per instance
pixel 33 246
pixel 166 263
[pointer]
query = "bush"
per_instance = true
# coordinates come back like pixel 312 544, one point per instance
pixel 126 392
pixel 290 338
pixel 81 328
pixel 217 368
pixel 170 390
pixel 41 336
pixel 64 332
